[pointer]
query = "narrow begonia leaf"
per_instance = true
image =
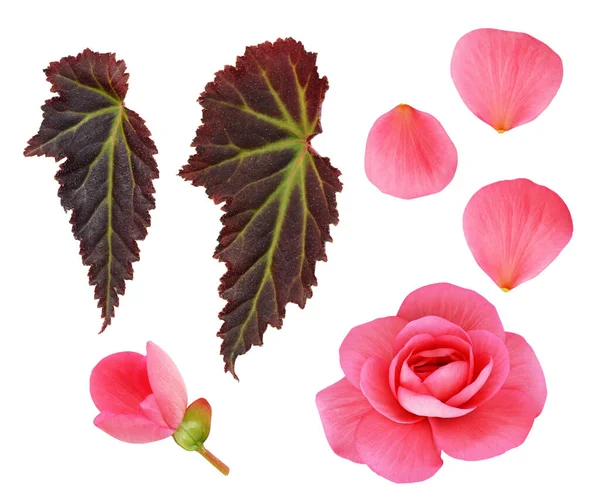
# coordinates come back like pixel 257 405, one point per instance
pixel 253 153
pixel 106 179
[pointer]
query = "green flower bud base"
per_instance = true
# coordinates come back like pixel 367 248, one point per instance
pixel 194 430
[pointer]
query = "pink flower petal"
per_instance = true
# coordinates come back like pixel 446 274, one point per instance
pixel 375 387
pixel 373 339
pixel 463 307
pixel 408 379
pixel 399 362
pixel 167 385
pixel 466 393
pixel 422 342
pixel 119 383
pixel 427 405
pixel 151 410
pixel 430 325
pixel 485 346
pixel 505 78
pixel 515 229
pixel 131 428
pixel 341 407
pixel 448 380
pixel 402 453
pixel 436 352
pixel 409 154
pixel 525 374
pixel 500 424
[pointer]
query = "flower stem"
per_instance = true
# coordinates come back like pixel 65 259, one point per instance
pixel 214 460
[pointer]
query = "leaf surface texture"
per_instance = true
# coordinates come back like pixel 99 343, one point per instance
pixel 106 179
pixel 254 153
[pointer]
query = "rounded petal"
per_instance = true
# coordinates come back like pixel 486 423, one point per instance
pixel 375 387
pixel 373 339
pixel 468 391
pixel 488 347
pixel 505 78
pixel 401 373
pixel 448 380
pixel 431 326
pixel 515 229
pixel 500 424
pixel 167 385
pixel 408 378
pixel 409 154
pixel 151 410
pixel 131 428
pixel 398 365
pixel 119 383
pixel 402 453
pixel 427 405
pixel 525 374
pixel 341 407
pixel 463 307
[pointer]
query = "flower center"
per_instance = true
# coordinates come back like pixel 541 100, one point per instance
pixel 427 362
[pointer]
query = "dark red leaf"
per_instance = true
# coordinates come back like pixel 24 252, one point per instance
pixel 253 152
pixel 107 176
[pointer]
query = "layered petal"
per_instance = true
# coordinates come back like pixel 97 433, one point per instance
pixel 341 407
pixel 373 339
pixel 151 410
pixel 463 307
pixel 401 372
pixel 525 374
pixel 402 453
pixel 431 326
pixel 505 78
pixel 131 428
pixel 500 424
pixel 448 380
pixel 488 349
pixel 515 229
pixel 375 387
pixel 409 154
pixel 472 388
pixel 119 383
pixel 408 379
pixel 167 385
pixel 428 405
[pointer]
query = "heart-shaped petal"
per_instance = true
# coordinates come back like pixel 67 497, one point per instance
pixel 505 78
pixel 515 229
pixel 409 154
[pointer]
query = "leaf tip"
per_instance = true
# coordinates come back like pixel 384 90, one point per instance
pixel 28 151
pixel 230 367
pixel 105 324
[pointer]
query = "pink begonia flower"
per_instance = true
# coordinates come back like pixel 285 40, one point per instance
pixel 442 375
pixel 515 229
pixel 409 154
pixel 505 78
pixel 142 399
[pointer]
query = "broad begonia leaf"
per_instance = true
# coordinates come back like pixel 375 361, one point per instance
pixel 106 179
pixel 254 153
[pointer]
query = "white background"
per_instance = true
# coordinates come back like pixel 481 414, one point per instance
pixel 266 427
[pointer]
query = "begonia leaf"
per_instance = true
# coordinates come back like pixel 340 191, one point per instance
pixel 254 153
pixel 106 179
